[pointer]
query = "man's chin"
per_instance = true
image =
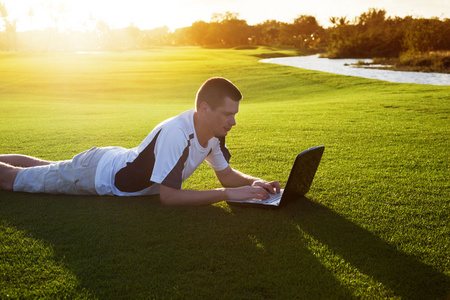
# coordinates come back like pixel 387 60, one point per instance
pixel 222 134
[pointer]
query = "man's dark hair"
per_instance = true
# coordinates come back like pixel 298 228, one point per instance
pixel 214 91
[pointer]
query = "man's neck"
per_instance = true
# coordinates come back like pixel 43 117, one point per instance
pixel 201 130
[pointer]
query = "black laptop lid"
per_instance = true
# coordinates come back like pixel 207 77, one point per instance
pixel 303 171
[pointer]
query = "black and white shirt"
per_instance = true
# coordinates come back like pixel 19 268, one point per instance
pixel 168 156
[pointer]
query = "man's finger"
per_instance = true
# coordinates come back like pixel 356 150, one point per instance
pixel 271 187
pixel 277 186
pixel 267 186
pixel 262 192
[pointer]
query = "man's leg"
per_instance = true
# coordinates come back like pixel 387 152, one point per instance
pixel 22 161
pixel 8 175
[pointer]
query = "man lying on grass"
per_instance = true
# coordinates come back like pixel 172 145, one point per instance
pixel 159 165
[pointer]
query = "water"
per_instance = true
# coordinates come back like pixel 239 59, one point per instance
pixel 338 66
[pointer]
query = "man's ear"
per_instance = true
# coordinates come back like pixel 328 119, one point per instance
pixel 204 108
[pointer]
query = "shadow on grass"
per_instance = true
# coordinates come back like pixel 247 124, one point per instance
pixel 402 274
pixel 136 248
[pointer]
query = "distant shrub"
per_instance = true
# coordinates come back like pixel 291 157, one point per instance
pixel 246 47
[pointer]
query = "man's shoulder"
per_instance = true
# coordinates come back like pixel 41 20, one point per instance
pixel 185 117
pixel 181 123
pixel 175 130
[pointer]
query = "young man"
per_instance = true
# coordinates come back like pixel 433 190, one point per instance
pixel 159 165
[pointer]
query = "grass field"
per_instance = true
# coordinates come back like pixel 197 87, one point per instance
pixel 375 223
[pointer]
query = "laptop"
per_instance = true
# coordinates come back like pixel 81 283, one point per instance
pixel 298 184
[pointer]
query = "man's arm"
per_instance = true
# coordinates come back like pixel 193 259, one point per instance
pixel 239 186
pixel 171 196
pixel 230 177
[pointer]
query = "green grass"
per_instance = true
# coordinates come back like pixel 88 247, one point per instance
pixel 375 223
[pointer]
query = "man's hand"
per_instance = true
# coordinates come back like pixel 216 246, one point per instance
pixel 273 187
pixel 247 192
pixel 259 190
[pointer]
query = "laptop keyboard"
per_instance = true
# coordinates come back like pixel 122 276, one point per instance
pixel 273 198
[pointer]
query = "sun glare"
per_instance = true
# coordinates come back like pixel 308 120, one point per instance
pixel 84 15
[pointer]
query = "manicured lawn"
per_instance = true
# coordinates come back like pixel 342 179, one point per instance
pixel 375 223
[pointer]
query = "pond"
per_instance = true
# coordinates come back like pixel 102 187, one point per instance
pixel 344 67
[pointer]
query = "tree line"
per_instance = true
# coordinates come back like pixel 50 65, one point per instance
pixel 372 34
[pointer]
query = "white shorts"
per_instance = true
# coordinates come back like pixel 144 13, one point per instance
pixel 71 177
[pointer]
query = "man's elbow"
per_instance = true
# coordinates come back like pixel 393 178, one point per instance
pixel 166 200
pixel 167 196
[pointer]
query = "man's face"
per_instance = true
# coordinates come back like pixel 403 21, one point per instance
pixel 222 119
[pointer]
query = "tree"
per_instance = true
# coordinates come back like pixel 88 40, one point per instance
pixel 424 35
pixel 235 32
pixel 224 29
pixel 10 27
pixel 231 30
pixel 304 33
pixel 3 11
pixel 156 36
pixel 102 30
pixel 216 17
pixel 133 36
pixel 267 33
pixel 370 35
pixel 199 33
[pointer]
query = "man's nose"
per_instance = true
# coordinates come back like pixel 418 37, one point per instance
pixel 232 121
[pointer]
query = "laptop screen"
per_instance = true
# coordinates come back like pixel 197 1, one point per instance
pixel 304 170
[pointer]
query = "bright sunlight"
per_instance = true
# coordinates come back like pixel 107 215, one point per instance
pixel 84 15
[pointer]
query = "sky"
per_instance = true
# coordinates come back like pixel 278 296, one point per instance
pixel 148 14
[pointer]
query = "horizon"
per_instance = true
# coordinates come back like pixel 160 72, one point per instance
pixel 83 14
